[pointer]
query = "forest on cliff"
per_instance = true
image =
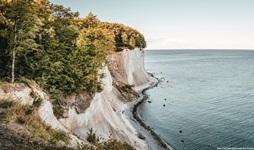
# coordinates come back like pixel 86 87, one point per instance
pixel 54 47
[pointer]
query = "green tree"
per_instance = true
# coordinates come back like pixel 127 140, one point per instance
pixel 23 26
pixel 93 46
pixel 51 45
pixel 53 69
pixel 140 41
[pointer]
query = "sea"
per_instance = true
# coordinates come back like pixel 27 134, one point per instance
pixel 205 100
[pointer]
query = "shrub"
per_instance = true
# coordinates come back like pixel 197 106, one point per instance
pixel 58 110
pixel 87 147
pixel 91 137
pixel 37 102
pixel 33 94
pixel 111 144
pixel 59 136
pixel 28 81
pixel 28 109
pixel 5 104
pixel 115 145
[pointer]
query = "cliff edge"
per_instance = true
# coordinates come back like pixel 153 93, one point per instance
pixel 124 78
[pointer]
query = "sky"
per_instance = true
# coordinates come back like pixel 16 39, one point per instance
pixel 178 24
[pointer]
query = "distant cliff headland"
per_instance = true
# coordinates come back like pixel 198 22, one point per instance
pixel 65 80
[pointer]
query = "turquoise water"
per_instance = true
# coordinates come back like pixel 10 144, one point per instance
pixel 209 98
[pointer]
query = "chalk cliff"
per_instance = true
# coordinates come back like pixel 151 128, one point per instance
pixel 105 113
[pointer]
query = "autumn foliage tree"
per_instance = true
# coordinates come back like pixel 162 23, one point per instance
pixel 51 45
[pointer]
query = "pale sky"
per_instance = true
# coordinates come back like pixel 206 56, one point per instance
pixel 178 24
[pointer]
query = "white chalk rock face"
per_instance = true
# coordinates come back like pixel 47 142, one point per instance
pixel 104 115
pixel 134 64
pixel 16 91
pixel 128 67
pixel 106 121
pixel 46 114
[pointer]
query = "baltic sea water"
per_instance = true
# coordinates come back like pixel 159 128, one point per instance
pixel 208 97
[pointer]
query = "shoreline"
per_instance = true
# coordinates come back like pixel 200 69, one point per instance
pixel 152 139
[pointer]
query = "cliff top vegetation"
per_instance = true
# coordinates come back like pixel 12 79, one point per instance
pixel 57 49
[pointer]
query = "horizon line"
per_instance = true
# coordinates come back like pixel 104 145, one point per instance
pixel 195 49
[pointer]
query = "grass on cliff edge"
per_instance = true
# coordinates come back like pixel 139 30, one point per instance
pixel 28 118
pixel 111 144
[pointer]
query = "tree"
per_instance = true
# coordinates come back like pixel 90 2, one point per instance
pixel 23 26
pixel 140 41
pixel 52 46
pixel 91 21
pixel 125 39
pixel 92 48
pixel 132 43
pixel 54 67
pixel 125 36
pixel 4 57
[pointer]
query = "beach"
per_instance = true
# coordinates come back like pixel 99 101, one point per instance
pixel 152 139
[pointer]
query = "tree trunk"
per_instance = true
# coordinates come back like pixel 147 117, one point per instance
pixel 13 64
pixel 14 53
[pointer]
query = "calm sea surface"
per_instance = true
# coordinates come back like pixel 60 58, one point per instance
pixel 208 97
